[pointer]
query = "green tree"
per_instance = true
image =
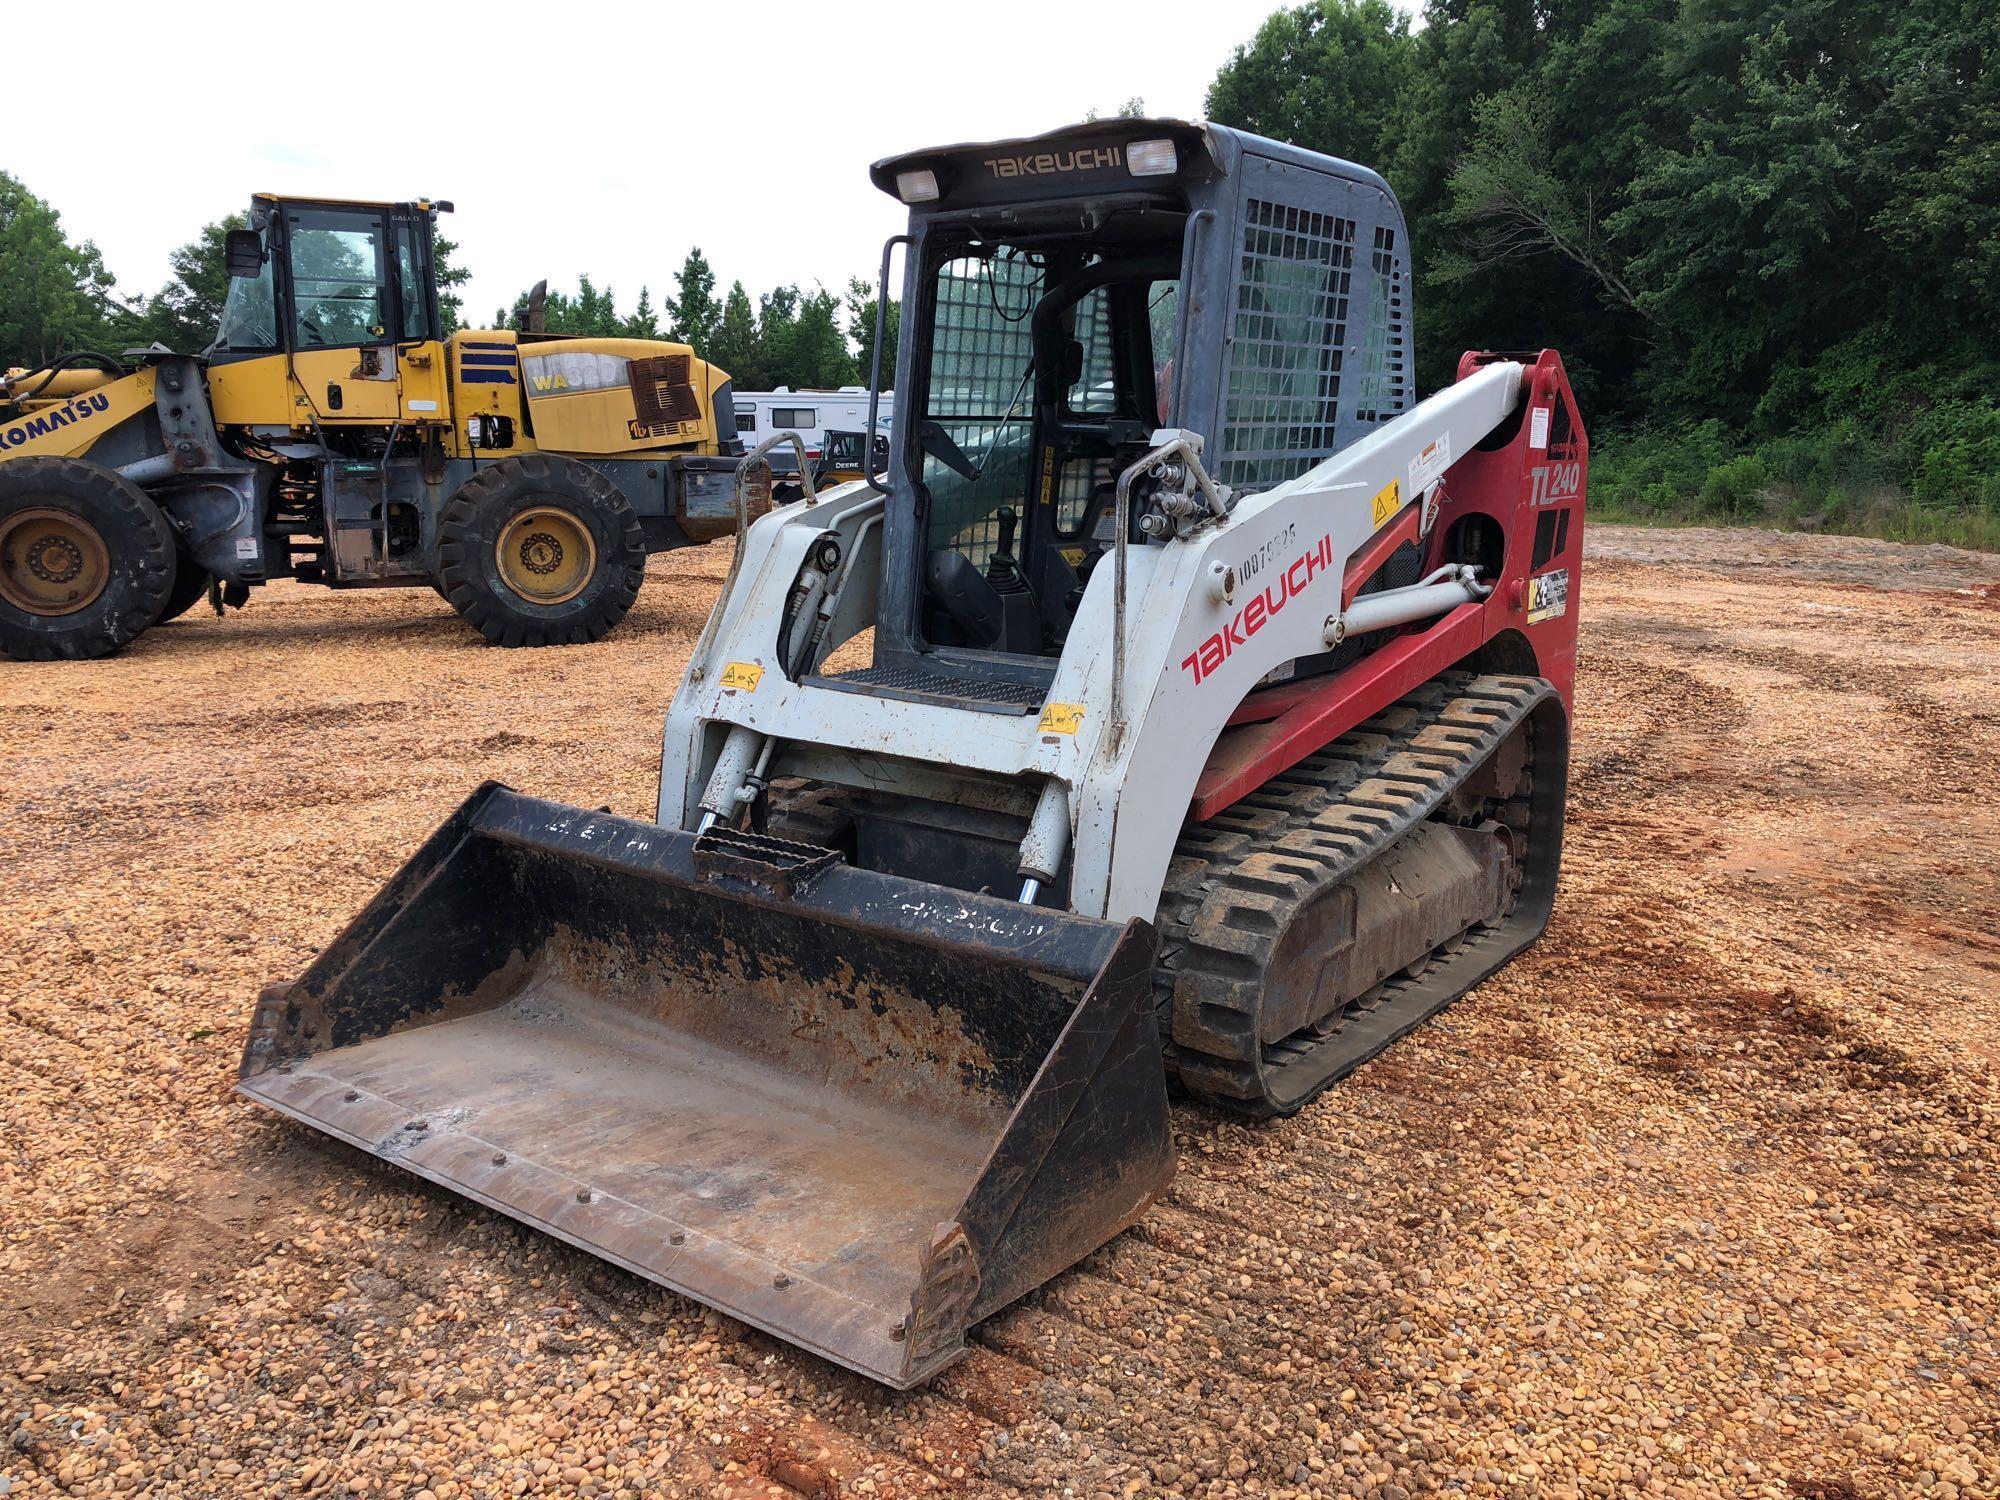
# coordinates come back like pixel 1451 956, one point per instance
pixel 595 313
pixel 1335 76
pixel 861 328
pixel 450 277
pixel 644 322
pixel 819 356
pixel 186 312
pixel 695 312
pixel 55 296
pixel 736 346
pixel 777 332
pixel 1766 232
pixel 591 313
pixel 1132 109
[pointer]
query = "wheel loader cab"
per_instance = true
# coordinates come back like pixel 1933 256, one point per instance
pixel 325 276
pixel 347 294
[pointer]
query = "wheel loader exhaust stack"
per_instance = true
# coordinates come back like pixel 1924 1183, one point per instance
pixel 1213 728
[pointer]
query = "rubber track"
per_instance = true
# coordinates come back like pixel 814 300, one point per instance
pixel 1236 879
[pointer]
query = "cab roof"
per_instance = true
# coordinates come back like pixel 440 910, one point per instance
pixel 321 200
pixel 1094 153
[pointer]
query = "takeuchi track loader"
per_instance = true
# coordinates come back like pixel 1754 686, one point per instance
pixel 334 433
pixel 1187 703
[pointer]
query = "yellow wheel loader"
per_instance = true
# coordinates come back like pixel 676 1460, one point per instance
pixel 1212 727
pixel 333 434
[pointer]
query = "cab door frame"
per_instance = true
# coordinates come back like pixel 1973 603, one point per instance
pixel 375 371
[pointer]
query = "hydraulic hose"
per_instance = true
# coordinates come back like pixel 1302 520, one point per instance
pixel 49 371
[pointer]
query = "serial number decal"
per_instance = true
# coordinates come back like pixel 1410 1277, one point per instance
pixel 1267 554
pixel 742 674
pixel 1258 610
pixel 1061 718
pixel 1548 596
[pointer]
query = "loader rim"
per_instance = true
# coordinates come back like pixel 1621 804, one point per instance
pixel 139 548
pixel 52 561
pixel 546 555
pixel 481 522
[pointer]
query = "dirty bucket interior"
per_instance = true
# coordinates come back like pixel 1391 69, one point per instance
pixel 774 1105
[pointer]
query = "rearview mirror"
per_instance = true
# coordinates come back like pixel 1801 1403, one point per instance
pixel 243 252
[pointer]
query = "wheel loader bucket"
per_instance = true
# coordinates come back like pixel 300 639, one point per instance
pixel 858 1111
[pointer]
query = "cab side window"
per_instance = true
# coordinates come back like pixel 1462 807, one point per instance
pixel 413 277
pixel 340 282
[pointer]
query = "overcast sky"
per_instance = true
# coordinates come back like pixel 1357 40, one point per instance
pixel 573 137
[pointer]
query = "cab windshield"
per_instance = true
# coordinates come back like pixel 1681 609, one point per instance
pixel 1048 364
pixel 1043 366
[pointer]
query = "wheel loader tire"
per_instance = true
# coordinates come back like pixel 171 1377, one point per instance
pixel 87 561
pixel 540 551
pixel 191 582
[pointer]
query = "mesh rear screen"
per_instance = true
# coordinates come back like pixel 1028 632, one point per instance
pixel 1288 338
pixel 1383 387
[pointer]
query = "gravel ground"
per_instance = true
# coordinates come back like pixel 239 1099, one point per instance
pixel 1698 1198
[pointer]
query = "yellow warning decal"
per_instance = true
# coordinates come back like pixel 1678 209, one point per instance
pixel 1388 500
pixel 1061 718
pixel 742 674
pixel 1548 596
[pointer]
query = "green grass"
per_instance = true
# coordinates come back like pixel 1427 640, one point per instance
pixel 1907 523
pixel 1938 482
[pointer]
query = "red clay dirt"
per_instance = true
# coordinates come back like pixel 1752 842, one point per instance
pixel 1700 1197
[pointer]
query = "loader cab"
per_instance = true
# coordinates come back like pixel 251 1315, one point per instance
pixel 310 275
pixel 1067 296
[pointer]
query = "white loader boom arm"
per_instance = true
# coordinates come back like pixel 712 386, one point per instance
pixel 1141 691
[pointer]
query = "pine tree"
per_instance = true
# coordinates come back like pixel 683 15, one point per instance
pixel 695 312
pixel 735 346
pixel 777 332
pixel 819 354
pixel 644 323
pixel 596 314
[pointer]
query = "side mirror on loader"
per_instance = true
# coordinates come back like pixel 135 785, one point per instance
pixel 243 253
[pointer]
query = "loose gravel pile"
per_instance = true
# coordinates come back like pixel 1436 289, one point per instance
pixel 1700 1197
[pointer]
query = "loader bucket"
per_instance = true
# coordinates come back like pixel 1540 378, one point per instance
pixel 858 1111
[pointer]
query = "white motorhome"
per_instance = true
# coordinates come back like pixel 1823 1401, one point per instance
pixel 811 414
